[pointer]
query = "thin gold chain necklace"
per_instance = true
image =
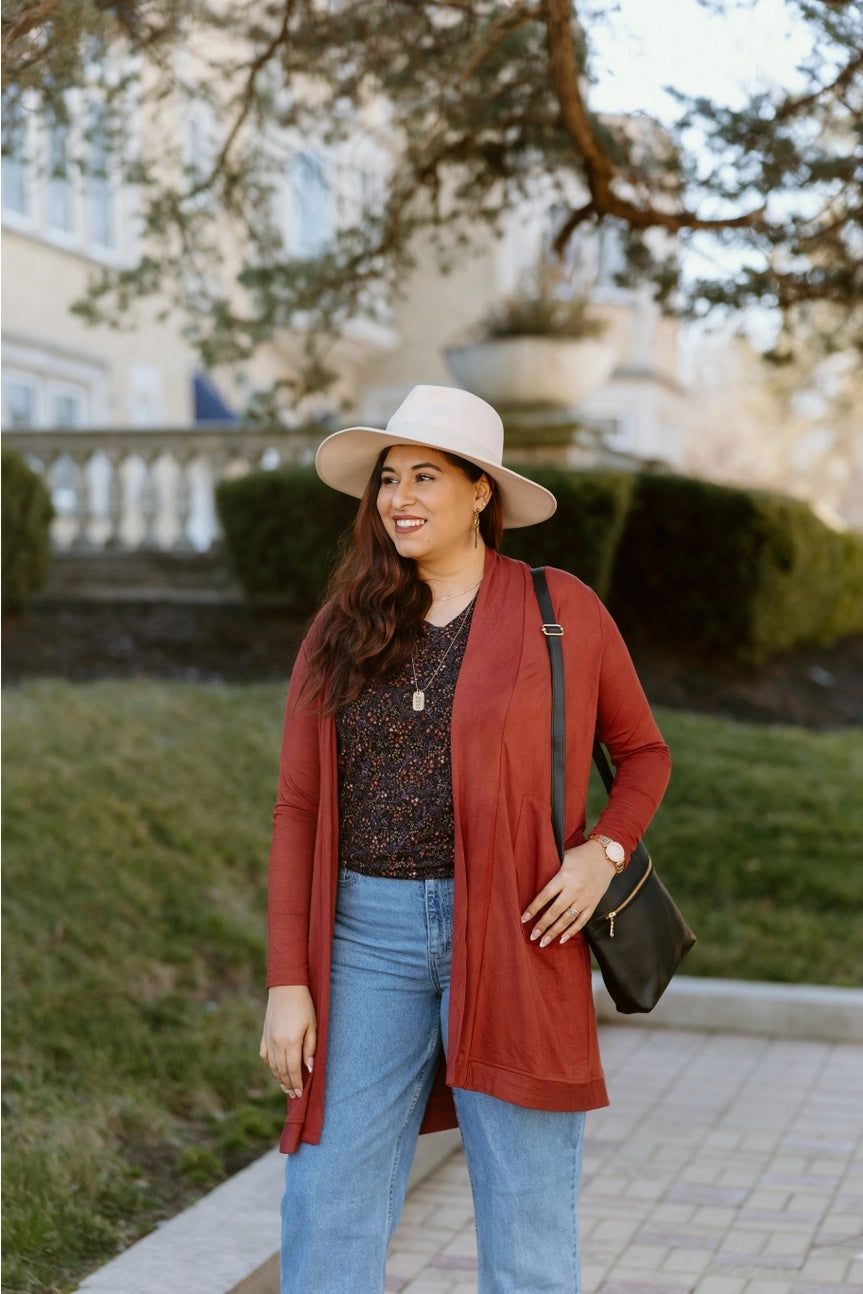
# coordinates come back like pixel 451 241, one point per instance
pixel 448 597
pixel 419 696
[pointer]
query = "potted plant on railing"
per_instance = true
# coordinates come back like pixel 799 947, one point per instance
pixel 535 349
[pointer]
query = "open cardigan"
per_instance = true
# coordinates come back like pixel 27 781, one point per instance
pixel 521 1021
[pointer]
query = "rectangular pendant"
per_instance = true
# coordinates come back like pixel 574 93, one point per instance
pixel 419 700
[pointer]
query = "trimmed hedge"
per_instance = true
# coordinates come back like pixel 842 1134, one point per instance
pixel 26 531
pixel 732 572
pixel 282 530
pixel 714 570
pixel 584 533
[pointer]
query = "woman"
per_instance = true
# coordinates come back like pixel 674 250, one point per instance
pixel 426 962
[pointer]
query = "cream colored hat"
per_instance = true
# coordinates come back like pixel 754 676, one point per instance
pixel 440 417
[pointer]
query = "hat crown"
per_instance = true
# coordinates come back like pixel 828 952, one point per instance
pixel 447 418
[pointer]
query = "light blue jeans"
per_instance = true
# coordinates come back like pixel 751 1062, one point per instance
pixel 388 1018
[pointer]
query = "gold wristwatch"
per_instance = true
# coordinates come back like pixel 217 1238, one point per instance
pixel 614 851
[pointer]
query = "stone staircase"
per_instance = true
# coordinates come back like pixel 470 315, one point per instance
pixel 141 575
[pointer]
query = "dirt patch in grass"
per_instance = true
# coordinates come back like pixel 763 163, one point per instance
pixel 819 688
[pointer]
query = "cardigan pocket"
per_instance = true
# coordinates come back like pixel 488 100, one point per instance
pixel 534 849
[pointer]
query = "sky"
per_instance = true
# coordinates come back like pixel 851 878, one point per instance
pixel 648 44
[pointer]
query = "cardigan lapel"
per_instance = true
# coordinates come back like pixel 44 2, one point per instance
pixel 488 677
pixel 483 696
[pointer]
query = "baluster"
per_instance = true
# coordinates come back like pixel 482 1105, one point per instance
pixel 81 538
pixel 183 503
pixel 62 529
pixel 45 467
pixel 215 466
pixel 115 498
pixel 149 501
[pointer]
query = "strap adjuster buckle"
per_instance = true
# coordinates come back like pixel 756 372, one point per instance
pixel 553 631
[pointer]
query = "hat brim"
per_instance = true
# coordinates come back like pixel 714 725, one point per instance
pixel 345 461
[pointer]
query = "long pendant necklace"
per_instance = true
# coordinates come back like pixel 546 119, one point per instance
pixel 419 696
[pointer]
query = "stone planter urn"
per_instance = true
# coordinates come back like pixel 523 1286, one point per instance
pixel 532 371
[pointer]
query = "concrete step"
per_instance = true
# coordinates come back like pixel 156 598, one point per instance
pixel 141 575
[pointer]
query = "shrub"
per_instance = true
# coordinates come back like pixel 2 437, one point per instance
pixel 26 531
pixel 282 529
pixel 845 617
pixel 583 534
pixel 718 571
pixel 733 572
pixel 540 314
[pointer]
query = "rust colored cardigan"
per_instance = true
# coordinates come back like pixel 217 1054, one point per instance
pixel 521 1024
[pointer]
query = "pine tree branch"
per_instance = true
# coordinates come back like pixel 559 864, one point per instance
pixel 502 26
pixel 247 103
pixel 32 15
pixel 792 106
pixel 601 172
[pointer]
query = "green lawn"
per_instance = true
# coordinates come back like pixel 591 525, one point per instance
pixel 136 826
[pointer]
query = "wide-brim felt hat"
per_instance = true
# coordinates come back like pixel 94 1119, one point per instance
pixel 444 418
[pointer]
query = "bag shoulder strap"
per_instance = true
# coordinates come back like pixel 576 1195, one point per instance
pixel 553 634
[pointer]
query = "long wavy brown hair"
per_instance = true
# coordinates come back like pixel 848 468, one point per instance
pixel 376 601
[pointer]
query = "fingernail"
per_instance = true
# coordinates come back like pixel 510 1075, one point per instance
pixel 298 1091
pixel 564 938
pixel 525 916
pixel 534 934
pixel 310 1063
pixel 544 942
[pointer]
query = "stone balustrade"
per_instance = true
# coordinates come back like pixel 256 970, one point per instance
pixel 140 489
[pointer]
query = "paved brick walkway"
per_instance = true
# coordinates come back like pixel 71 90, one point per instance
pixel 725 1165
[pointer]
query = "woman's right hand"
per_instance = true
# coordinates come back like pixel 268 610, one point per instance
pixel 290 1035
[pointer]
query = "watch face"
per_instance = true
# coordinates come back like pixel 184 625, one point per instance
pixel 615 851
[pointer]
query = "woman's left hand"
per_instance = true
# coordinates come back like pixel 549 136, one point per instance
pixel 567 902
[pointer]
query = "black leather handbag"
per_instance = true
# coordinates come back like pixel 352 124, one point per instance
pixel 637 934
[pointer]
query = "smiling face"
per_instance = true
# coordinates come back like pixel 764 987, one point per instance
pixel 427 505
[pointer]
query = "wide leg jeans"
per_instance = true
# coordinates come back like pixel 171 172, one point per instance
pixel 388 1015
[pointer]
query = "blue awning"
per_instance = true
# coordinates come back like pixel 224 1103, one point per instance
pixel 209 405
